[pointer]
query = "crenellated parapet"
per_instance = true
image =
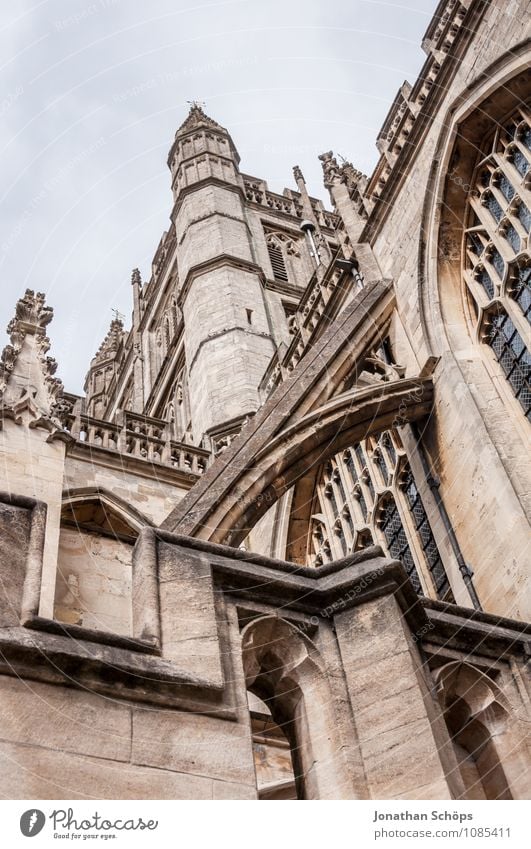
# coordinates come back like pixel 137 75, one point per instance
pixel 413 108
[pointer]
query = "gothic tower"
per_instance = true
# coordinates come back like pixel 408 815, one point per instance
pixel 220 290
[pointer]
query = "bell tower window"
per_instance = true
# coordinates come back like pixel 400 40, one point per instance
pixel 277 261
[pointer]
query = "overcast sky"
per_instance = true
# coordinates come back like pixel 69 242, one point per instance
pixel 92 93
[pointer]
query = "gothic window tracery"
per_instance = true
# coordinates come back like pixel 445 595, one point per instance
pixel 497 260
pixel 368 494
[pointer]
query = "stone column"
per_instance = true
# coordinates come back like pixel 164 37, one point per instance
pixel 399 724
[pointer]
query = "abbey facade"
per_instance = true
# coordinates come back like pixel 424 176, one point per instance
pixel 280 548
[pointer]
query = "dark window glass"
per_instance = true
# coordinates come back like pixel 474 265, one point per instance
pixel 475 244
pixel 387 443
pixel 514 358
pixel 522 292
pixel 380 462
pixel 519 161
pixel 360 455
pixel 358 494
pixel 493 206
pixel 368 480
pixel 397 542
pixel 506 187
pixel 425 533
pixel 484 278
pixel 498 263
pixel 513 238
pixel 525 216
pixel 349 463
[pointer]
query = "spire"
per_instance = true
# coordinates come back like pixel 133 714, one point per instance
pixel 197 118
pixel 29 392
pixel 111 343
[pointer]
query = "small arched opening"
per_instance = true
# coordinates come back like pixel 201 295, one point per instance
pixel 283 669
pixel 476 714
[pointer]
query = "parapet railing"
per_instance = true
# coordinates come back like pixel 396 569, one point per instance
pixel 141 437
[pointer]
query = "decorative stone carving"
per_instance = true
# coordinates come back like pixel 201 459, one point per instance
pixel 111 343
pixel 388 371
pixel 331 170
pixel 197 118
pixel 29 391
pixel 351 176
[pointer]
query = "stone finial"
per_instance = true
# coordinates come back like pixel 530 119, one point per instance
pixel 136 279
pixel 331 170
pixel 351 176
pixel 297 173
pixel 197 118
pixel 31 318
pixel 29 391
pixel 111 343
pixel 31 315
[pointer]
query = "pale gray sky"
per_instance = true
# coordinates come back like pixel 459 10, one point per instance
pixel 93 91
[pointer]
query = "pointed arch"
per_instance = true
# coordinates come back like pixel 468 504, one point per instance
pixel 283 667
pixel 476 714
pixel 97 509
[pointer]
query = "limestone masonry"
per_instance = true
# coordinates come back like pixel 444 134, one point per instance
pixel 280 548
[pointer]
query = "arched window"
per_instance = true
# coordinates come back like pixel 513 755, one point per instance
pixel 368 493
pixel 497 261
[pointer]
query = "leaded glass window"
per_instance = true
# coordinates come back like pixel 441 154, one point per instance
pixel 522 291
pixel 497 261
pixel 425 533
pixel 397 541
pixel 381 503
pixel 513 356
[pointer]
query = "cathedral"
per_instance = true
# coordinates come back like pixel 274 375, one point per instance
pixel 280 547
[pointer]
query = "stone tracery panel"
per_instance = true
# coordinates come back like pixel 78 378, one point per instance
pixel 367 494
pixel 496 258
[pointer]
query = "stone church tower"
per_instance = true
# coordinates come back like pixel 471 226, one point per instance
pixel 280 548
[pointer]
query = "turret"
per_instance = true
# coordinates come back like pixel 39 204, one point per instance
pixel 103 368
pixel 228 340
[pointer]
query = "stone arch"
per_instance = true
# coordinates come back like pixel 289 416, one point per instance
pixel 283 667
pixel 97 509
pixel 498 91
pixel 497 431
pixel 317 437
pixel 476 714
